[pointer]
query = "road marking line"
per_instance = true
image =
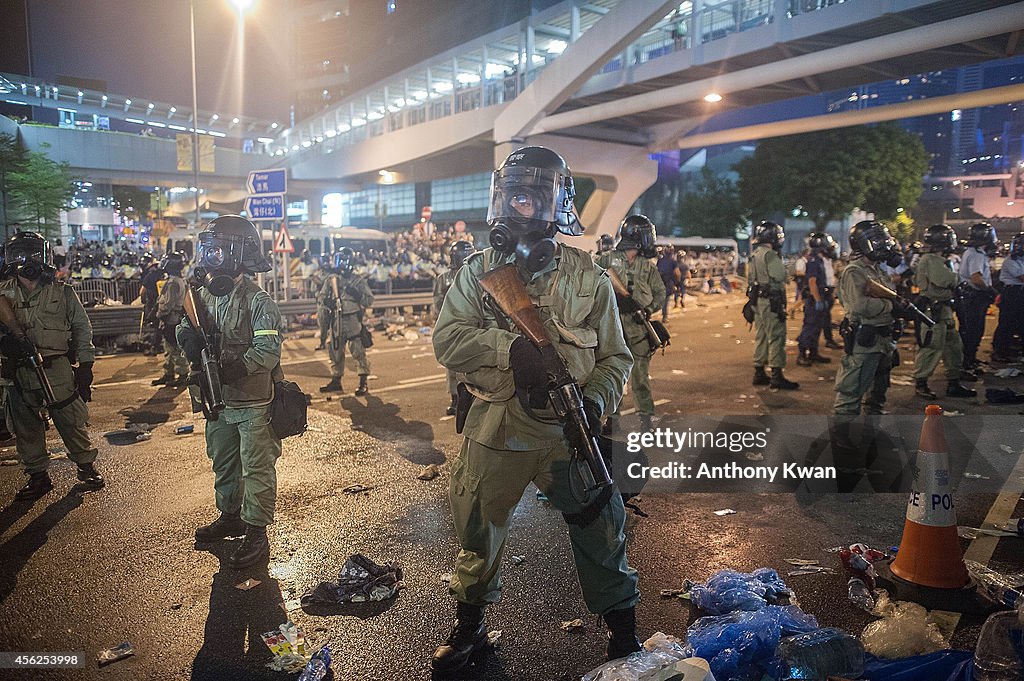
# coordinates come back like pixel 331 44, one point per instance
pixel 390 388
pixel 423 378
pixel 657 403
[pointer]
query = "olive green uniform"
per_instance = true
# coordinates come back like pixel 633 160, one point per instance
pixel 240 442
pixel 866 368
pixel 769 273
pixel 505 448
pixel 56 323
pixel 936 281
pixel 442 283
pixel 169 308
pixel 355 296
pixel 648 290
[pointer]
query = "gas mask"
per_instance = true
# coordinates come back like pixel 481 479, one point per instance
pixel 533 244
pixel 28 256
pixel 217 267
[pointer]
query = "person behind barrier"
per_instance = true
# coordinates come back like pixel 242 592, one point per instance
pixel 240 441
pixel 53 325
pixel 511 434
pixel 767 290
pixel 458 252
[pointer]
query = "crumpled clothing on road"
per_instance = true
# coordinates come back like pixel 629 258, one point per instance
pixel 360 580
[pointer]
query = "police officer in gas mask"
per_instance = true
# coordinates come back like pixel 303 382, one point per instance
pixel 348 296
pixel 511 438
pixel 51 323
pixel 246 326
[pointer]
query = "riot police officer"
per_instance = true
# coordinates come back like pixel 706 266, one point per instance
pixel 168 313
pixel 512 436
pixel 868 326
pixel 353 297
pixel 976 292
pixel 605 244
pixel 51 323
pixel 1010 329
pixel 767 277
pixel 240 441
pixel 936 281
pixel 816 307
pixel 457 254
pixel 630 260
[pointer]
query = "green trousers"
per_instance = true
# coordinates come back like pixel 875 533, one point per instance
pixel 350 328
pixel 640 379
pixel 22 410
pixel 453 384
pixel 770 338
pixel 945 344
pixel 485 487
pixel 174 359
pixel 323 321
pixel 860 374
pixel 244 450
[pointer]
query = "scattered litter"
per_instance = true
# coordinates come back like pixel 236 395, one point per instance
pixel 518 560
pixel 728 590
pixel 142 437
pixel 429 473
pixel 1003 396
pixel 716 335
pixel 727 325
pixel 572 625
pixel 811 570
pixel 1007 448
pixel 446 418
pixel 1006 590
pixel 742 645
pixel 802 561
pixel 662 657
pixel 360 580
pixel 119 652
pixel 288 645
pixel 974 532
pixel 725 511
pixel 185 430
pixel 175 606
pixel 682 592
pixel 976 476
pixel 754 456
pixel 446 578
pixel 493 636
pixel 1008 372
pixel 952 412
pixel 860 595
pixel 289 663
pixel 858 562
pixel 247 584
pixel 824 653
pixel 355 489
pixel 904 630
pixel 679 372
pixel 318 667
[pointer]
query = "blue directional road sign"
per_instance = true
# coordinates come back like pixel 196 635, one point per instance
pixel 268 181
pixel 269 207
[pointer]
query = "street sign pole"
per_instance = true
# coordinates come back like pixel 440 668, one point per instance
pixel 286 260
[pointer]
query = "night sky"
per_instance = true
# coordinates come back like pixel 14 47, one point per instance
pixel 141 49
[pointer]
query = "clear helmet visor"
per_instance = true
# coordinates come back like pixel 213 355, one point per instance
pixel 215 254
pixel 520 194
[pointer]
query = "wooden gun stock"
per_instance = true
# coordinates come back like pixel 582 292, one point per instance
pixel 506 287
pixel 9 319
pixel 210 388
pixel 618 285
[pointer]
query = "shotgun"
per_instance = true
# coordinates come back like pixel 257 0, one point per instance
pixel 505 287
pixel 904 307
pixel 211 400
pixel 656 340
pixel 336 320
pixel 35 360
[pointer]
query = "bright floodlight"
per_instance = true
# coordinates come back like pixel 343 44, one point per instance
pixel 242 5
pixel 712 97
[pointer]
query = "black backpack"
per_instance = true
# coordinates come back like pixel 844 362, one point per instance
pixel 288 410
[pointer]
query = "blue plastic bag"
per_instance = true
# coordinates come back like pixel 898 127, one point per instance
pixel 944 665
pixel 727 591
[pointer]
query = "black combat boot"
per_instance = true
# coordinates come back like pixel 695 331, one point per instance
pixel 254 548
pixel 38 484
pixel 954 389
pixel 90 477
pixel 451 407
pixel 804 358
pixel 622 638
pixel 468 636
pixel 968 377
pixel 921 389
pixel 227 525
pixel 780 382
pixel 166 379
pixel 818 358
pixel 760 377
pixel 645 423
pixel 363 389
pixel 333 387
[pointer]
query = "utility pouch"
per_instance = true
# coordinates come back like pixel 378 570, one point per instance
pixel 848 332
pixel 867 335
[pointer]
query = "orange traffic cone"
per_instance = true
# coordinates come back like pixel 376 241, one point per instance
pixel 930 549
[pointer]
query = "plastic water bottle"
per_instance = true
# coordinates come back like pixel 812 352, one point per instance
pixel 317 667
pixel 1000 652
pixel 821 653
pixel 1008 590
pixel 860 595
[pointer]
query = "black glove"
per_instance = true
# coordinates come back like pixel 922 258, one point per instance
pixel 191 345
pixel 627 305
pixel 528 364
pixel 232 369
pixel 593 413
pixel 83 380
pixel 16 347
pixel 353 293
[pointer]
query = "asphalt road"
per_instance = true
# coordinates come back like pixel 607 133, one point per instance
pixel 86 572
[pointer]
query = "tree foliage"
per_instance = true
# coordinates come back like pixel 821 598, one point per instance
pixel 712 209
pixel 12 160
pixel 41 189
pixel 830 173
